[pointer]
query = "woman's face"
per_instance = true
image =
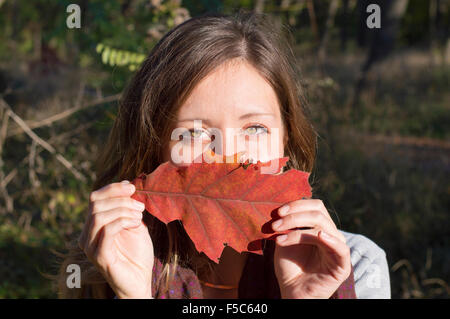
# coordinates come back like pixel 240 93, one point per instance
pixel 238 110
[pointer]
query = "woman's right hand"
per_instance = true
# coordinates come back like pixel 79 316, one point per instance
pixel 117 241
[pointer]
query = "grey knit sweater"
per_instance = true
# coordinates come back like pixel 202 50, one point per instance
pixel 371 271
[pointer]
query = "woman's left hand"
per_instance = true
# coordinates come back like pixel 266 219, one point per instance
pixel 309 263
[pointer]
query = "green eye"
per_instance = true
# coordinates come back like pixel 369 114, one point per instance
pixel 195 134
pixel 255 129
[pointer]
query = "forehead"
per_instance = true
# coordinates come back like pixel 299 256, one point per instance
pixel 231 90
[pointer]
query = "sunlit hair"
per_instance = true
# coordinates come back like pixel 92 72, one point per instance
pixel 147 115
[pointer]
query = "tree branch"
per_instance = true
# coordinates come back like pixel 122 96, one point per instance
pixel 41 142
pixel 63 115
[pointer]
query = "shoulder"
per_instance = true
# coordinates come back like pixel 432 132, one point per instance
pixel 370 267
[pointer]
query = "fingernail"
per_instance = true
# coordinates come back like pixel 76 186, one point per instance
pixel 277 223
pixel 136 221
pixel 138 215
pixel 326 237
pixel 125 182
pixel 281 238
pixel 139 205
pixel 283 210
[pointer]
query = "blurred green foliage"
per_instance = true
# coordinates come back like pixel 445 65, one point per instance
pixel 112 57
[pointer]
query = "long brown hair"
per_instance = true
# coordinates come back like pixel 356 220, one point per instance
pixel 147 114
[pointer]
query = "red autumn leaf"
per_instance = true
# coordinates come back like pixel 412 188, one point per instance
pixel 221 203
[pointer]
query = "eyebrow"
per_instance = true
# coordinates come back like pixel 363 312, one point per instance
pixel 248 115
pixel 196 119
pixel 255 114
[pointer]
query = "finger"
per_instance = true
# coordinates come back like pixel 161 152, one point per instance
pixel 101 219
pixel 303 205
pixel 332 245
pixel 308 205
pixel 313 219
pixel 122 189
pixel 106 239
pixel 110 203
pixel 293 237
pixel 340 251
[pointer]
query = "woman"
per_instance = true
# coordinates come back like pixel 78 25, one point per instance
pixel 227 72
